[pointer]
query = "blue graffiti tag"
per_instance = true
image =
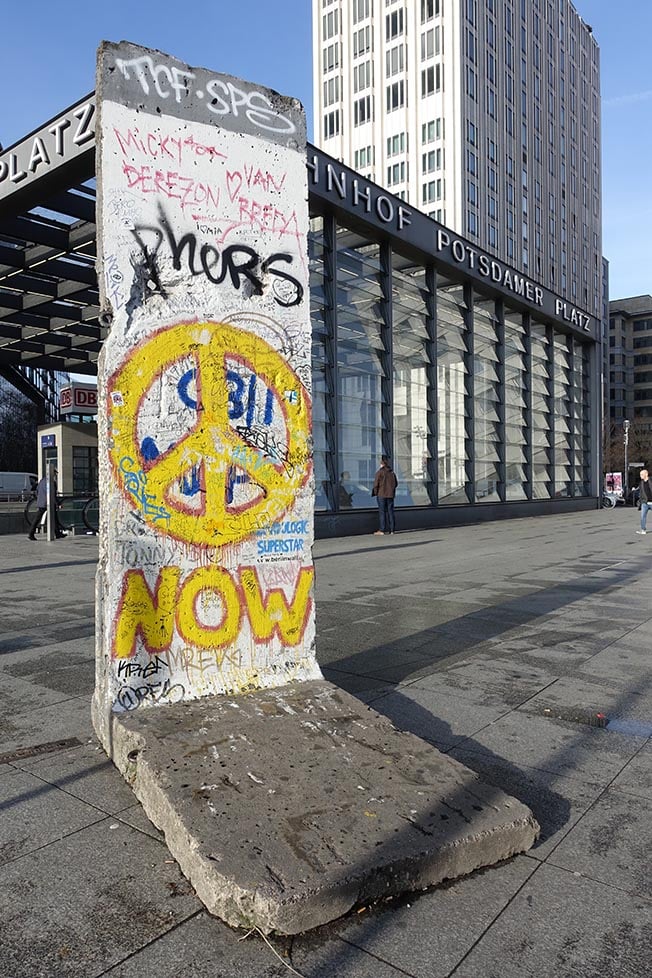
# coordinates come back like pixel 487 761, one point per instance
pixel 190 485
pixel 149 450
pixel 239 406
pixel 135 482
pixel 233 480
pixel 182 388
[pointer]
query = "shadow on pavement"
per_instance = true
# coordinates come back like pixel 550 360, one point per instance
pixel 533 788
pixel 456 638
pixel 38 567
pixel 370 550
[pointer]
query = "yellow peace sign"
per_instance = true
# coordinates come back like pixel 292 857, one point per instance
pixel 213 446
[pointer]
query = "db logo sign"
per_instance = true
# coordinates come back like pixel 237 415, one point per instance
pixel 78 400
pixel 85 399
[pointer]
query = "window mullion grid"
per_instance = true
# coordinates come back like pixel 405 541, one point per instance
pixel 529 439
pixel 387 355
pixel 331 368
pixel 502 404
pixel 572 412
pixel 469 399
pixel 431 381
pixel 552 468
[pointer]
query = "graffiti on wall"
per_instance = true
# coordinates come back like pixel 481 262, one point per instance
pixel 206 471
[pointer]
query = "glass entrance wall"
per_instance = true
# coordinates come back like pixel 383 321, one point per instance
pixel 517 433
pixel 541 424
pixel 582 427
pixel 477 401
pixel 488 393
pixel 563 412
pixel 411 359
pixel 361 367
pixel 453 400
pixel 84 468
pixel 320 285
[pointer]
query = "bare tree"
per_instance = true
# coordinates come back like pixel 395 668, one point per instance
pixel 640 441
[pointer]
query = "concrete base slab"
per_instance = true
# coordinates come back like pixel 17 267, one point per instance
pixel 289 806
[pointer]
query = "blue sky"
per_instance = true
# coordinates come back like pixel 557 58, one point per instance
pixel 47 61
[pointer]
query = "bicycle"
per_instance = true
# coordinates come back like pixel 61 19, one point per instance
pixel 91 514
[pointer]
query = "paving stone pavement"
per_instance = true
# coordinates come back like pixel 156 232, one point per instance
pixel 523 648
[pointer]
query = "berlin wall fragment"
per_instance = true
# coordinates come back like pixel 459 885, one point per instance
pixel 205 578
pixel 284 800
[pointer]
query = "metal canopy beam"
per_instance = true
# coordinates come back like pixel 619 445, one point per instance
pixel 49 304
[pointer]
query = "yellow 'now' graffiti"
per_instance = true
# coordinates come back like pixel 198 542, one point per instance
pixel 152 616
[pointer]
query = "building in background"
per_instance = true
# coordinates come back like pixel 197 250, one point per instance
pixel 630 360
pixel 628 381
pixel 485 115
pixel 29 396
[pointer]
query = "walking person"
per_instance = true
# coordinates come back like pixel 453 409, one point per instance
pixel 42 505
pixel 644 498
pixel 384 489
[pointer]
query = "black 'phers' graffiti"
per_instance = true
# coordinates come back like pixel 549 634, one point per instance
pixel 238 261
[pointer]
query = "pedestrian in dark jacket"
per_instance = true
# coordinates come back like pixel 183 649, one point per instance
pixel 645 498
pixel 42 505
pixel 384 489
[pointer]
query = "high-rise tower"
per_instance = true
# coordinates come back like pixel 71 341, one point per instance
pixel 485 114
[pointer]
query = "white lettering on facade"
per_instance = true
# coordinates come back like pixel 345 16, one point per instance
pixel 46 149
pixel 572 315
pixel 362 195
pixel 458 251
pixel 384 209
pixel 358 195
pixel 358 192
pixel 336 180
pixel 488 267
pixel 403 218
pixel 83 132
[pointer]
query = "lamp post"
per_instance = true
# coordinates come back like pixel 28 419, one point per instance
pixel 626 425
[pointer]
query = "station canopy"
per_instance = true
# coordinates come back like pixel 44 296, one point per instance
pixel 49 302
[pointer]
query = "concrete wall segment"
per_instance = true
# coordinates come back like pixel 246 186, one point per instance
pixel 205 574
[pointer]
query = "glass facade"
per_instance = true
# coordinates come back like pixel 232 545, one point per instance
pixel 84 468
pixel 582 424
pixel 541 414
pixel 48 384
pixel 412 359
pixel 518 439
pixel 479 382
pixel 323 421
pixel 362 366
pixel 563 412
pixel 488 398
pixel 476 400
pixel 453 400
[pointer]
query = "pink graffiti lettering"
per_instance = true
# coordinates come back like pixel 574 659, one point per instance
pixel 170 184
pixel 235 179
pixel 155 145
pixel 263 217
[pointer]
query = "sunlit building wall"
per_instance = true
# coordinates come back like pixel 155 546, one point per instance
pixel 485 114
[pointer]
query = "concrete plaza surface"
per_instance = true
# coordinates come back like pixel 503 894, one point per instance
pixel 521 648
